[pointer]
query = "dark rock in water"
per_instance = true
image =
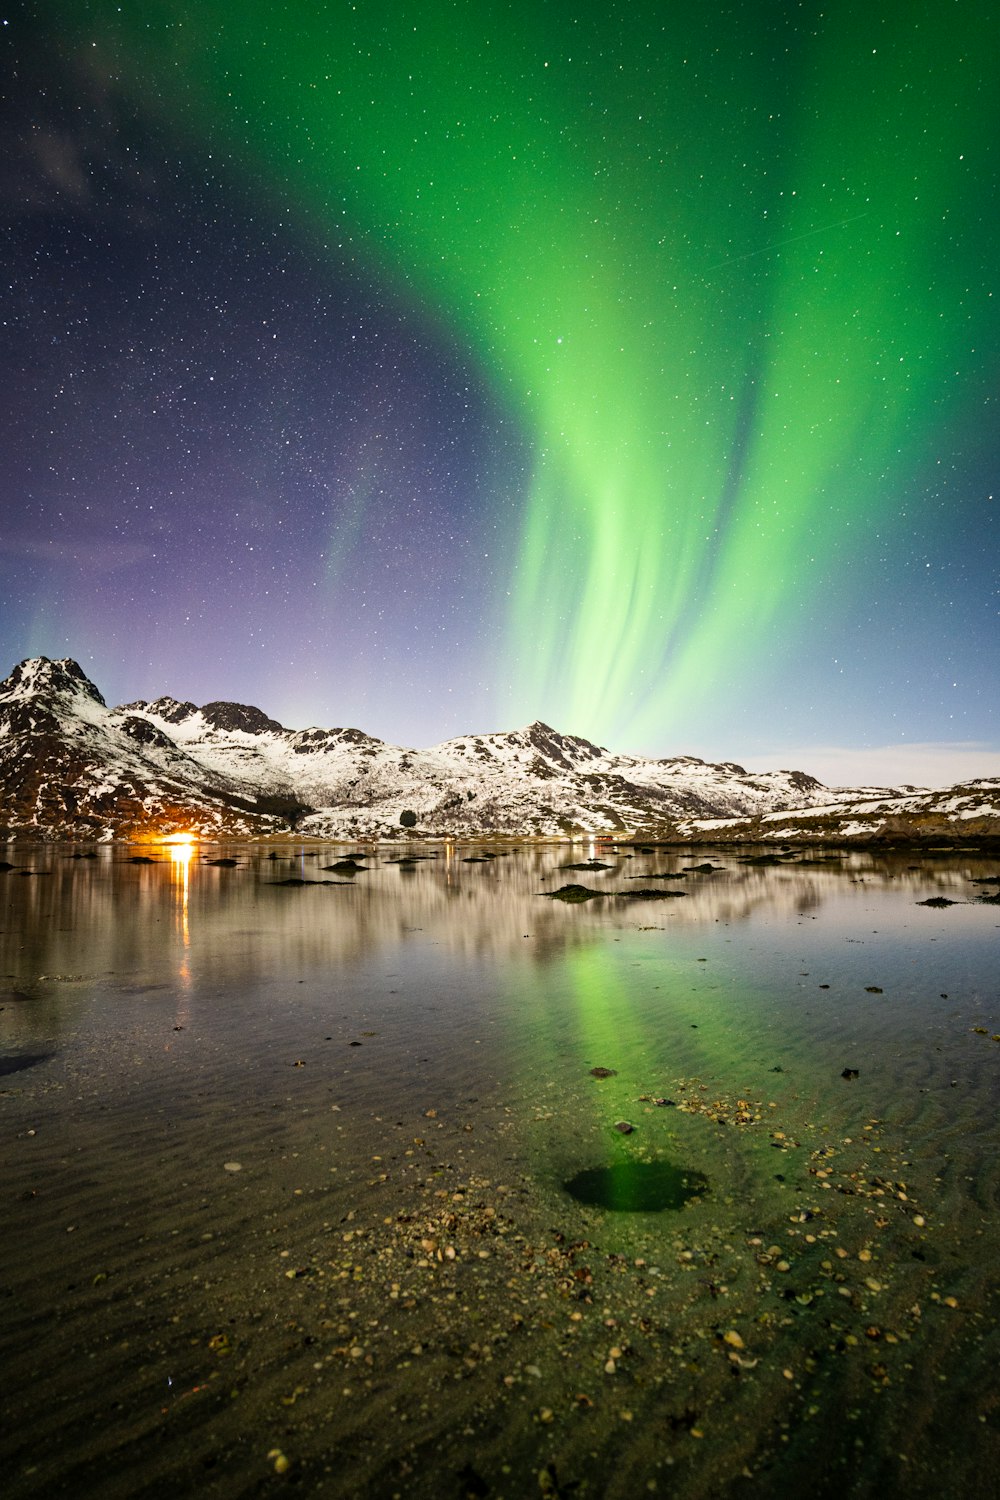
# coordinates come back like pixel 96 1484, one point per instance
pixel 344 866
pixel 297 880
pixel 706 869
pixel 624 1127
pixel 5 864
pixel 637 1187
pixel 873 989
pixel 223 864
pixel 604 1072
pixel 647 893
pixel 477 859
pixel 17 1062
pixel 142 859
pixel 473 1486
pixel 587 864
pixel 849 1073
pixel 572 893
pixel 937 901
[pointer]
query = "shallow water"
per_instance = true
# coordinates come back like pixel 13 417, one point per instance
pixel 314 1185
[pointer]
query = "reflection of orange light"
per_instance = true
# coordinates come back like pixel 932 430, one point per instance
pixel 181 847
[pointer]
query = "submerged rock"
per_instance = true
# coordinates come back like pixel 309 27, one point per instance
pixel 637 1187
pixel 16 1062
pixel 572 893
pixel 648 893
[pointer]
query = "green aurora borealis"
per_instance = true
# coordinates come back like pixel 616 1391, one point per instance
pixel 727 268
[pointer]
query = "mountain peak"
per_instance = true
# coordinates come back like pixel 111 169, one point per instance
pixel 222 715
pixel 240 716
pixel 563 749
pixel 39 675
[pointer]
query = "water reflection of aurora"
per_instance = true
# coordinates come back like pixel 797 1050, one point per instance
pixel 590 1013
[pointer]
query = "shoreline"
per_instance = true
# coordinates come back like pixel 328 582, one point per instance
pixel 789 842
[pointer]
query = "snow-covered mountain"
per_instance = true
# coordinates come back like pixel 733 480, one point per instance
pixel 529 781
pixel 70 767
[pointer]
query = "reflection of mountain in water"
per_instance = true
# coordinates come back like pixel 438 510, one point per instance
pixel 109 919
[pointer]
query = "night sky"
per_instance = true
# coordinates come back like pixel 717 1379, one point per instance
pixel 433 368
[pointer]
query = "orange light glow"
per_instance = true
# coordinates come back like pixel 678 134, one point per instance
pixel 180 847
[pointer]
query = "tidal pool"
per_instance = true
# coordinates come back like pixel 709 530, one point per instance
pixel 400 1179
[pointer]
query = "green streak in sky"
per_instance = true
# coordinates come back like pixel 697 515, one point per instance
pixel 729 267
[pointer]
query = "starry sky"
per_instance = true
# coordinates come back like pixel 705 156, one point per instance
pixel 435 367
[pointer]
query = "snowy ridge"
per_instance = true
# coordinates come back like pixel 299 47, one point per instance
pixel 70 767
pixel 970 810
pixel 532 780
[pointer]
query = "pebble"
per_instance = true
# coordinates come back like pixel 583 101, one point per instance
pixel 232 1166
